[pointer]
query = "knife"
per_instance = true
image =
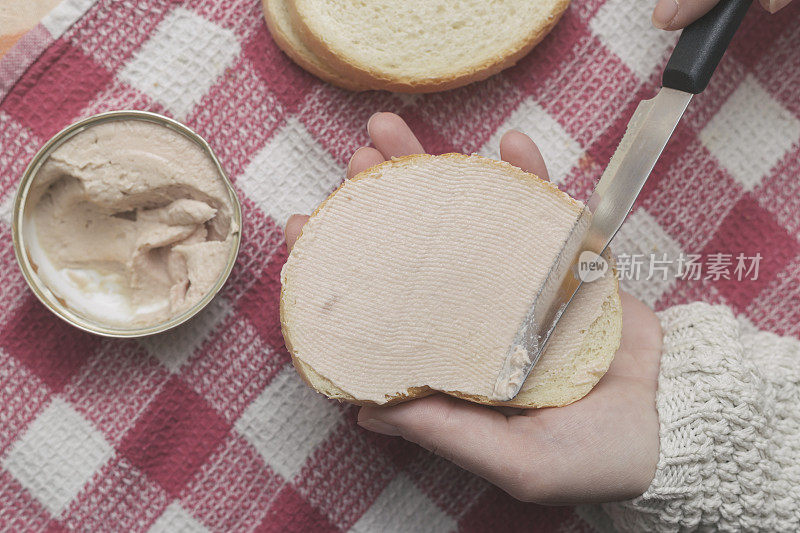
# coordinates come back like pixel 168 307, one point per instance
pixel 688 71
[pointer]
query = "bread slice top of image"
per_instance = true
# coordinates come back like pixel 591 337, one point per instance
pixel 414 276
pixel 422 45
pixel 276 14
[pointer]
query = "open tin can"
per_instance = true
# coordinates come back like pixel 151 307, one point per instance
pixel 30 269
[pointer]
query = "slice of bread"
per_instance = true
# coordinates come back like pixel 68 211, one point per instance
pixel 279 23
pixel 414 275
pixel 419 45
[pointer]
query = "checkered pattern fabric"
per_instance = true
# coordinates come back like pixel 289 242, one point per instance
pixel 208 427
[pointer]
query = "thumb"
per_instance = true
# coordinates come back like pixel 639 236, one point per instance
pixel 474 437
pixel 774 5
pixel 677 14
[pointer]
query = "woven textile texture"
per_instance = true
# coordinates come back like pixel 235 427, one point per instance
pixel 727 403
pixel 208 427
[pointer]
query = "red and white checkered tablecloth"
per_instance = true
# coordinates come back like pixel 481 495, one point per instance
pixel 208 427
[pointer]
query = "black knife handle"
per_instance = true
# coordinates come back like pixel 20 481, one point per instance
pixel 701 46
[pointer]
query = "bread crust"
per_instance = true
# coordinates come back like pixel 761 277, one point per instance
pixel 323 385
pixel 314 65
pixel 368 76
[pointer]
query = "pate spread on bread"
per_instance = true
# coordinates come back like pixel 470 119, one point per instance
pixel 414 276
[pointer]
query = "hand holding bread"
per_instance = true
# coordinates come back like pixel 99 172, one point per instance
pixel 602 447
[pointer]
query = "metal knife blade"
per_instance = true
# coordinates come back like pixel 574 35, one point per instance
pixel 647 134
pixel 688 71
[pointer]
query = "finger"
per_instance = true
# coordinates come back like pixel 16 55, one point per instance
pixel 472 436
pixel 391 135
pixel 641 339
pixel 642 322
pixel 677 14
pixel 363 158
pixel 775 5
pixel 519 150
pixel 293 227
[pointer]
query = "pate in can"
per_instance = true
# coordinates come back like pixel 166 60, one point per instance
pixel 125 224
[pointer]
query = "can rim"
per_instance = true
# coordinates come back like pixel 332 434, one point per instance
pixel 40 289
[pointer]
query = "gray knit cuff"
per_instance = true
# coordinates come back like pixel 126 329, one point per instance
pixel 704 414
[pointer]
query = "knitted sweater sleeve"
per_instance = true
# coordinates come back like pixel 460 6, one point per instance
pixel 729 410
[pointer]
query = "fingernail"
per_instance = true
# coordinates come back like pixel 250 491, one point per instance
pixel 378 426
pixel 664 13
pixel 371 117
pixel 351 159
pixel 777 5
